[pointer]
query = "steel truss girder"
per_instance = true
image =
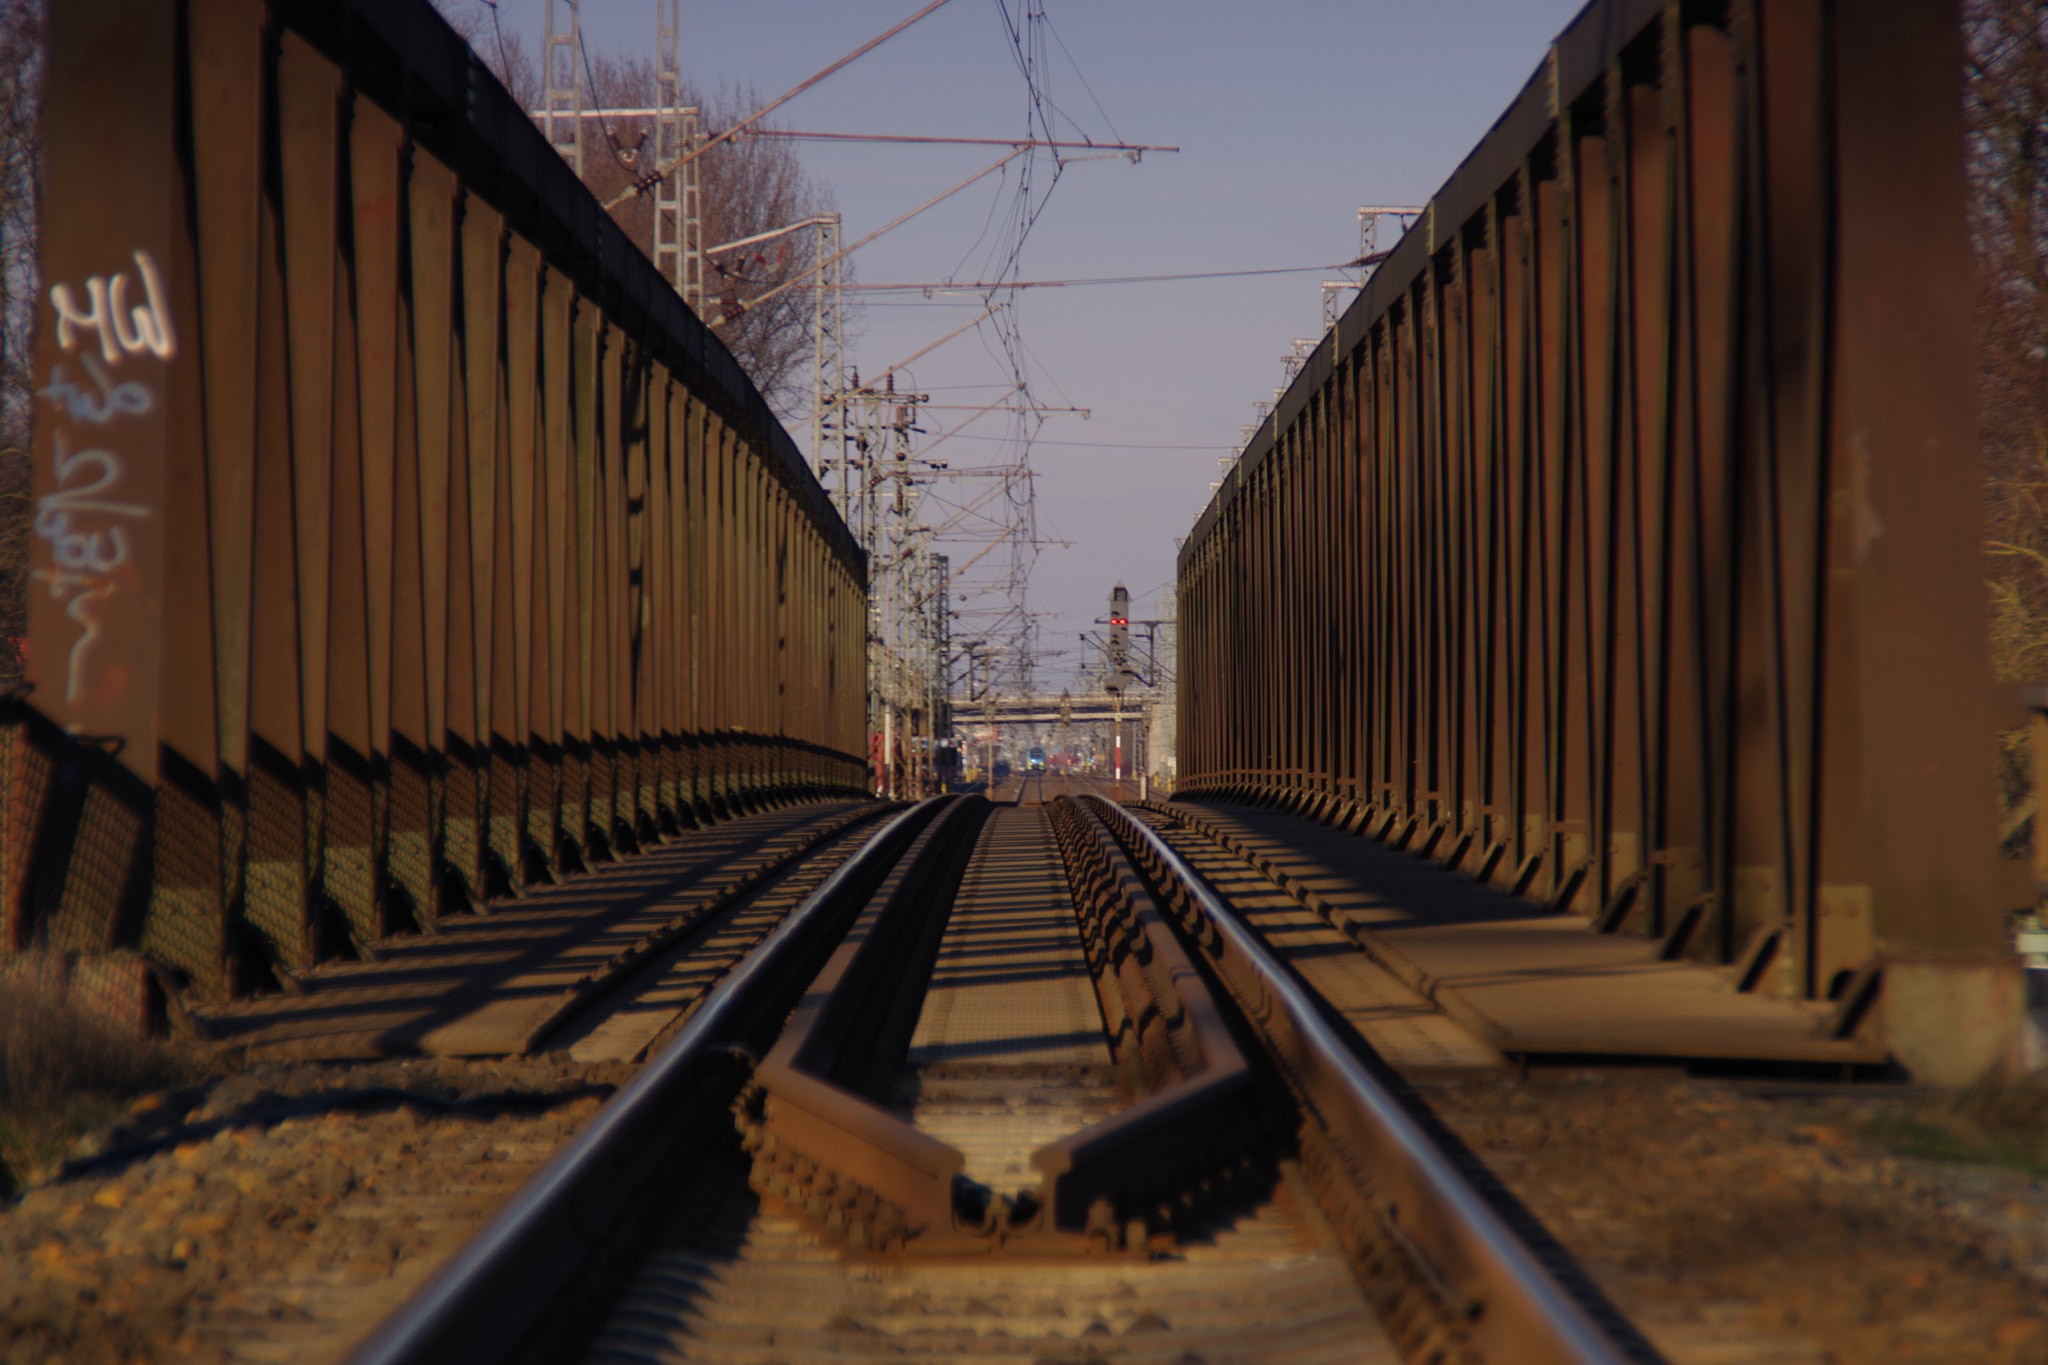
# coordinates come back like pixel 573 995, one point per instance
pixel 427 546
pixel 1625 531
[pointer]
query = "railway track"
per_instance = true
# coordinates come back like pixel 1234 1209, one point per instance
pixel 1012 1084
pixel 1035 789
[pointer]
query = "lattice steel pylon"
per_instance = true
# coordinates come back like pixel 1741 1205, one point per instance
pixel 909 588
pixel 939 615
pixel 1333 300
pixel 828 363
pixel 1369 216
pixel 561 119
pixel 678 198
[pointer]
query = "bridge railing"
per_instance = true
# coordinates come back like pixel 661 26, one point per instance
pixel 1624 535
pixel 401 539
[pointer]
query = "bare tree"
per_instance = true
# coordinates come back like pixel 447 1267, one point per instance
pixel 501 49
pixel 21 84
pixel 21 79
pixel 750 186
pixel 2006 109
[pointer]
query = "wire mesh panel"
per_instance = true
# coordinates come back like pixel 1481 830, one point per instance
pixel 1619 545
pixel 391 508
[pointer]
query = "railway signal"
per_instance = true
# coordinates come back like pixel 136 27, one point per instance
pixel 1119 622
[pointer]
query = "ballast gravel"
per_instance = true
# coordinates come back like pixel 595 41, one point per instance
pixel 278 1213
pixel 1769 1224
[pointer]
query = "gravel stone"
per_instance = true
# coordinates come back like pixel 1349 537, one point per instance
pixel 276 1213
pixel 1759 1223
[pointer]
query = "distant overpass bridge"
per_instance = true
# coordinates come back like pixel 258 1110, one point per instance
pixel 1088 709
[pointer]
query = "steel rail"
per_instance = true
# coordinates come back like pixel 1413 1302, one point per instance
pixel 1524 1313
pixel 483 1303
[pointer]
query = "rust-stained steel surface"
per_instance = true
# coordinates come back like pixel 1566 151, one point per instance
pixel 1619 546
pixel 1515 976
pixel 1219 1126
pixel 1390 1189
pixel 824 1140
pixel 401 540
pixel 498 984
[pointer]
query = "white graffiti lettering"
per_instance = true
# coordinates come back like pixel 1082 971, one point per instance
pixel 84 556
pixel 113 400
pixel 121 330
pixel 83 590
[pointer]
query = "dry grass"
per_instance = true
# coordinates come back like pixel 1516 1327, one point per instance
pixel 62 1074
pixel 1993 1124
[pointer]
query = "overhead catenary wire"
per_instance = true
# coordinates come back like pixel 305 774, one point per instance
pixel 908 361
pixel 1108 122
pixel 504 62
pixel 1029 197
pixel 624 158
pixel 665 169
pixel 794 280
pixel 1017 206
pixel 1028 202
pixel 1107 445
pixel 997 286
pixel 799 135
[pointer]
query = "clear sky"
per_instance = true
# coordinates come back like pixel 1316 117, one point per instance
pixel 1290 114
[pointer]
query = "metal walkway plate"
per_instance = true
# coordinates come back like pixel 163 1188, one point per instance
pixel 1523 980
pixel 492 984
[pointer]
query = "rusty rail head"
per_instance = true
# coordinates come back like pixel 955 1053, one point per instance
pixel 1200 1112
pixel 873 1178
pixel 480 1305
pixel 1513 1308
pixel 889 1181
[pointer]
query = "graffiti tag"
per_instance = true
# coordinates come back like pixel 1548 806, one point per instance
pixel 122 331
pixel 87 517
pixel 113 400
pixel 84 557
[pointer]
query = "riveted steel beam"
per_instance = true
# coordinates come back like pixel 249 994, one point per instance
pixel 402 538
pixel 1622 536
